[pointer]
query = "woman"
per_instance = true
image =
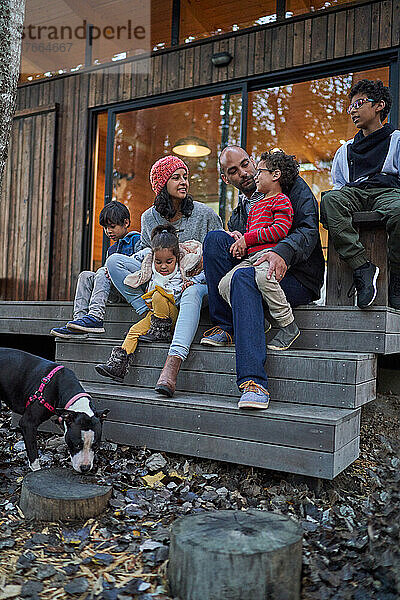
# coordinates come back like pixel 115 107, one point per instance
pixel 192 221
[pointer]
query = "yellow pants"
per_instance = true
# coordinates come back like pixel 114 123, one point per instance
pixel 162 306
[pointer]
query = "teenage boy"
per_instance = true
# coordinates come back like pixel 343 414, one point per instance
pixel 93 289
pixel 300 250
pixel 365 174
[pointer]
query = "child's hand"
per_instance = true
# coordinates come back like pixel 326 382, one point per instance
pixel 107 273
pixel 235 234
pixel 238 248
pixel 187 283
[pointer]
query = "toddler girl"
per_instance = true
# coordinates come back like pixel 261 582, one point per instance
pixel 167 281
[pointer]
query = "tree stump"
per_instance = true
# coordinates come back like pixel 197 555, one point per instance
pixel 58 494
pixel 235 555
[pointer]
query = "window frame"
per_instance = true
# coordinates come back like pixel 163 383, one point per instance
pixel 387 57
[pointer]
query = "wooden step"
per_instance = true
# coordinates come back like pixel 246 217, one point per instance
pixel 314 441
pixel 342 380
pixel 342 329
pixel 347 329
pixel 294 438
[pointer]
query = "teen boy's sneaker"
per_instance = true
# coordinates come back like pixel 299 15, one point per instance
pixel 88 324
pixel 253 396
pixel 364 284
pixel 216 337
pixel 285 337
pixel 64 332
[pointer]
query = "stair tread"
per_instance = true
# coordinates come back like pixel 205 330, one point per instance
pixel 318 354
pixel 277 410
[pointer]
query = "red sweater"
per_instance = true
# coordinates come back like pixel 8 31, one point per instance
pixel 269 222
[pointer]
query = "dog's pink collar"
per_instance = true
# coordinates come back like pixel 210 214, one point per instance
pixel 75 398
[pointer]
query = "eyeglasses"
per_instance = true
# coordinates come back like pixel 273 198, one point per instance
pixel 359 103
pixel 258 171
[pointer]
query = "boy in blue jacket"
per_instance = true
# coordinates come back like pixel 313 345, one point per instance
pixel 365 174
pixel 93 289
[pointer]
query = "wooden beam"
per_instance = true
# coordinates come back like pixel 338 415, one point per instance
pixel 30 112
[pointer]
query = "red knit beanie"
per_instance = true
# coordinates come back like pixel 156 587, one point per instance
pixel 162 170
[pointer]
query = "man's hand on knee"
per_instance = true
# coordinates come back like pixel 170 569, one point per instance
pixel 239 248
pixel 235 234
pixel 276 265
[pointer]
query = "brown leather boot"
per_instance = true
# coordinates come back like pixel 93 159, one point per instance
pixel 167 381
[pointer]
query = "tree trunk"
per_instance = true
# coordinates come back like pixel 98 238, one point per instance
pixel 61 495
pixel 11 21
pixel 235 555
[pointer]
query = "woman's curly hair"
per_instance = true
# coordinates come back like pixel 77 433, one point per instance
pixel 374 90
pixel 287 165
pixel 164 205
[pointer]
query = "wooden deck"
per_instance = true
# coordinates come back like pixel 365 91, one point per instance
pixel 339 329
pixel 312 426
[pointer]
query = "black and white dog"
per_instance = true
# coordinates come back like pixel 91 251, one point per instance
pixel 38 389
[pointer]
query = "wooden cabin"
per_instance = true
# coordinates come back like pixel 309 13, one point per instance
pixel 106 88
pixel 91 132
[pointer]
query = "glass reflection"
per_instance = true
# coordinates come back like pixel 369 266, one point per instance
pixel 306 119
pixel 300 7
pixel 143 136
pixel 206 18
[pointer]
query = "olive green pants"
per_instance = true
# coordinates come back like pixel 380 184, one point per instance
pixel 337 208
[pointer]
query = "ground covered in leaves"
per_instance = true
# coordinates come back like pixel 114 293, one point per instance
pixel 351 526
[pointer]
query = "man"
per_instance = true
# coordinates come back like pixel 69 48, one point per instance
pixel 300 250
pixel 365 174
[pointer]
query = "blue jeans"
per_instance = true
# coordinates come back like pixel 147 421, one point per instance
pixel 246 318
pixel 119 266
pixel 188 319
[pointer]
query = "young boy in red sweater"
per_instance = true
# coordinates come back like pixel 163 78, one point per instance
pixel 269 221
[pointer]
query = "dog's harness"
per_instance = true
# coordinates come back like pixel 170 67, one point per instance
pixel 38 395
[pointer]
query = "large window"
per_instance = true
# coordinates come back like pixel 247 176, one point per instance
pixel 61 37
pixel 205 18
pixel 99 180
pixel 300 7
pixel 306 119
pixel 195 127
pixel 53 39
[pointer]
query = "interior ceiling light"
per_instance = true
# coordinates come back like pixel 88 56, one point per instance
pixel 192 147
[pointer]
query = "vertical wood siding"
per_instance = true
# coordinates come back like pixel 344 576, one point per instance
pixel 315 39
pixel 71 95
pixel 27 207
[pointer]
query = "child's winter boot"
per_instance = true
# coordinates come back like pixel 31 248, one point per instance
pixel 160 330
pixel 117 365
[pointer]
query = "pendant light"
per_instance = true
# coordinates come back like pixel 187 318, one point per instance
pixel 191 147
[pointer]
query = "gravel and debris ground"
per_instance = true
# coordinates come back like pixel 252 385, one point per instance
pixel 351 525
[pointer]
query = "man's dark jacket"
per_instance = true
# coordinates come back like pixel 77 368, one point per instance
pixel 301 248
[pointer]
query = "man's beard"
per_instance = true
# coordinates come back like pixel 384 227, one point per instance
pixel 251 187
